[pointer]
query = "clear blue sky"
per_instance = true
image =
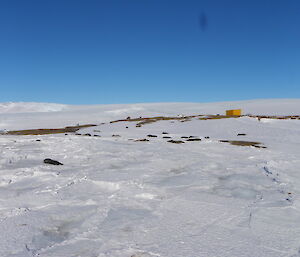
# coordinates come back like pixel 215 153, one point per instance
pixel 127 51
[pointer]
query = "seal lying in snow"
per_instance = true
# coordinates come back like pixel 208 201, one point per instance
pixel 53 162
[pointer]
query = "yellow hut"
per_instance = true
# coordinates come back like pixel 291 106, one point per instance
pixel 236 112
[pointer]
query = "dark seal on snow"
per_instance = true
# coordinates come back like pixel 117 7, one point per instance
pixel 53 162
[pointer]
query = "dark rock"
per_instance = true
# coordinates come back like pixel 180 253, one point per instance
pixel 151 136
pixel 53 162
pixel 142 140
pixel 184 137
pixel 167 137
pixel 115 135
pixel 38 140
pixel 241 134
pixel 165 133
pixel 176 141
pixel 206 137
pixel 126 127
pixel 97 136
pixel 88 134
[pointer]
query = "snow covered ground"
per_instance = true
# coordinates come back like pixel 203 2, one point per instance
pixel 47 115
pixel 118 197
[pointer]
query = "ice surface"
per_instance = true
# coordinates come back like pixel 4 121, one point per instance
pixel 120 198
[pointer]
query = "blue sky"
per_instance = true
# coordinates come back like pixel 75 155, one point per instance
pixel 128 51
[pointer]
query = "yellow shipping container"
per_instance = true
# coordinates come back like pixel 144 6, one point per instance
pixel 236 112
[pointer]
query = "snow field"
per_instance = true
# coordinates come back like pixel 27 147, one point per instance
pixel 116 197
